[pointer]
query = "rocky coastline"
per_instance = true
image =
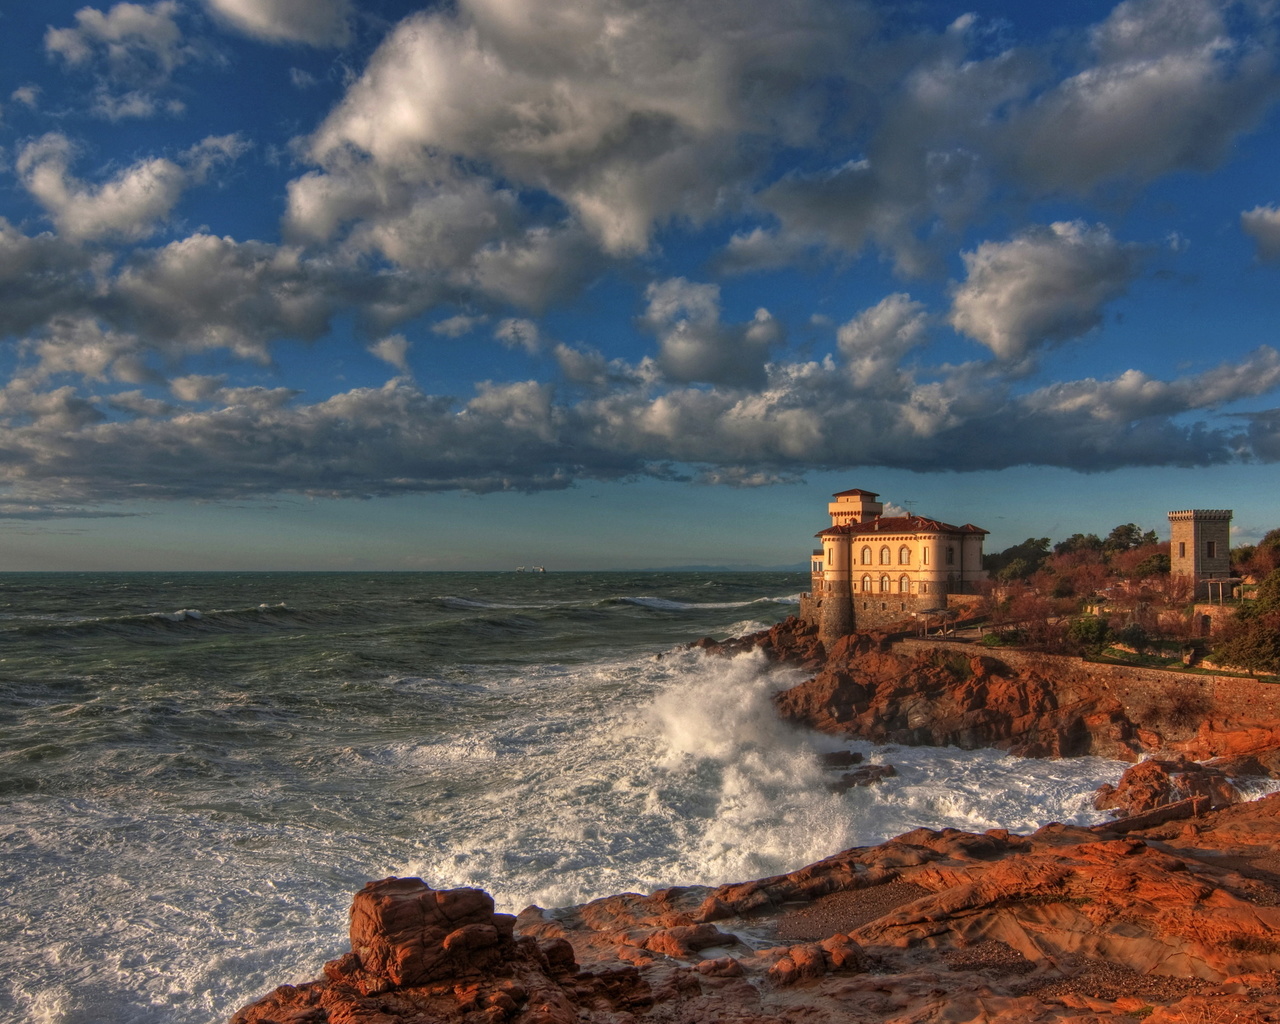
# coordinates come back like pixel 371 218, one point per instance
pixel 1168 913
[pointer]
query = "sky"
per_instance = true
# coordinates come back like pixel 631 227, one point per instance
pixel 371 284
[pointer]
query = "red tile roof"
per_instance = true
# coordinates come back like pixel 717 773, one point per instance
pixel 855 490
pixel 899 524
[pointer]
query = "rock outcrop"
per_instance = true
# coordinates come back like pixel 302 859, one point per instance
pixel 1156 783
pixel 919 693
pixel 1173 923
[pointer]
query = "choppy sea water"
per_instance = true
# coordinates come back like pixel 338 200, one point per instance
pixel 198 770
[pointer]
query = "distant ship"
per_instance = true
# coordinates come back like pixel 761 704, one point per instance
pixel 536 568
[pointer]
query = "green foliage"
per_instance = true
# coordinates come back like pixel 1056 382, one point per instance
pixel 1153 565
pixel 1267 597
pixel 1251 642
pixel 1088 633
pixel 1127 536
pixel 1078 542
pixel 1133 635
pixel 1028 555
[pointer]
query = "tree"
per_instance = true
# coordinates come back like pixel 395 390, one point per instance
pixel 1251 643
pixel 1078 542
pixel 1029 554
pixel 1126 536
pixel 1088 633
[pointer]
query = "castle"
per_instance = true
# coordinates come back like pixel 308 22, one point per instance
pixel 874 571
pixel 1200 549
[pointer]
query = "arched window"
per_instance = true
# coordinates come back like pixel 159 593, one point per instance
pixel 886 557
pixel 866 584
pixel 904 585
pixel 866 556
pixel 904 555
pixel 884 584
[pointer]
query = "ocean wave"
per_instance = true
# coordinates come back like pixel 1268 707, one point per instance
pixel 664 604
pixel 162 623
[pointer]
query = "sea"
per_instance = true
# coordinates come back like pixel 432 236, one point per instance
pixel 198 770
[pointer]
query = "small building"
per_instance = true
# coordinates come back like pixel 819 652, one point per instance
pixel 874 571
pixel 1200 548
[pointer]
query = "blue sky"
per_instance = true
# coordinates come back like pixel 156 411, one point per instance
pixel 627 283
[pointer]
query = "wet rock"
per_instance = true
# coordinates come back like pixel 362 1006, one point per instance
pixel 863 777
pixel 1157 783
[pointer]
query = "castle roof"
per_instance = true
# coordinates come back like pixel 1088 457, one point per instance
pixel 855 490
pixel 898 524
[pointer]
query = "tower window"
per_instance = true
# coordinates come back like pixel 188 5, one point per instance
pixel 1182 549
pixel 1211 549
pixel 951 555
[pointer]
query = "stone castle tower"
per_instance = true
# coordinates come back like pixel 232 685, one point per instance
pixel 1200 546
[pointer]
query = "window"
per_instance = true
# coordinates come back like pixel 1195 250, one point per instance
pixel 924 588
pixel 866 556
pixel 884 584
pixel 829 556
pixel 1210 549
pixel 866 584
pixel 951 555
pixel 904 555
pixel 925 556
pixel 886 556
pixel 904 585
pixel 1182 549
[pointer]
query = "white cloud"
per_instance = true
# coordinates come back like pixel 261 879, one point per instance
pixel 56 446
pixel 875 341
pixel 695 346
pixel 516 332
pixel 1171 88
pixel 1045 285
pixel 1262 223
pixel 627 113
pixel 131 49
pixel 132 205
pixel 393 349
pixel 27 95
pixel 311 22
pixel 206 292
pixel 458 325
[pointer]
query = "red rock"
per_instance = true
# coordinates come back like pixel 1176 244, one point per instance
pixel 1151 784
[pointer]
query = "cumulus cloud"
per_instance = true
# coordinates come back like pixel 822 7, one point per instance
pixel 214 441
pixel 1170 88
pixel 627 113
pixel 693 343
pixel 133 51
pixel 393 349
pixel 1047 284
pixel 875 341
pixel 1262 223
pixel 130 206
pixel 311 22
pixel 457 325
pixel 205 292
pixel 516 332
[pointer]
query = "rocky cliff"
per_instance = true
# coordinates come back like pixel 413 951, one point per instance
pixel 1170 914
pixel 1174 922
pixel 1033 705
